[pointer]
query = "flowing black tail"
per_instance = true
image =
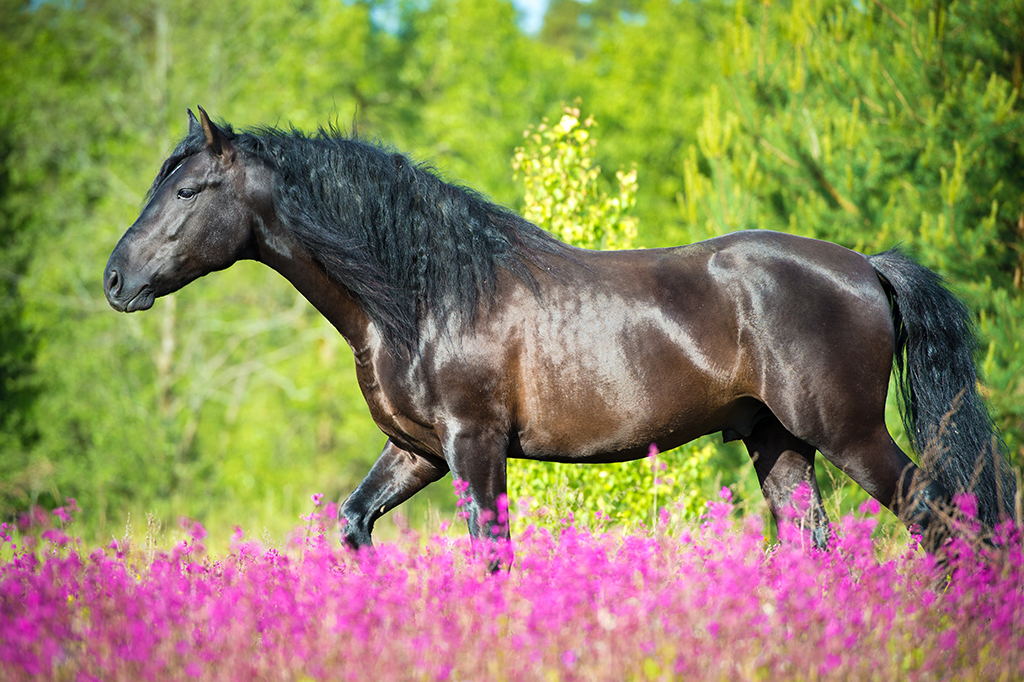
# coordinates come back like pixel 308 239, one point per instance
pixel 944 414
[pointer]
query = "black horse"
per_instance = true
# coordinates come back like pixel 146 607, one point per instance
pixel 479 337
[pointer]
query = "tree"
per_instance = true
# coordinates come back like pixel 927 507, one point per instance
pixel 556 165
pixel 580 26
pixel 475 82
pixel 17 349
pixel 234 394
pixel 154 412
pixel 875 123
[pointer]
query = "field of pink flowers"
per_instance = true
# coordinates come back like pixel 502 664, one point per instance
pixel 704 601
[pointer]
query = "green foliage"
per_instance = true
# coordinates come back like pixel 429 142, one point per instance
pixel 18 345
pixel 871 124
pixel 562 195
pixel 675 484
pixel 866 123
pixel 643 68
pixel 231 398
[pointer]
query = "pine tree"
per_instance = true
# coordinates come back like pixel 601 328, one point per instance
pixel 877 123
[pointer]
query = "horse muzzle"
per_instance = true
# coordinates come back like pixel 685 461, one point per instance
pixel 126 298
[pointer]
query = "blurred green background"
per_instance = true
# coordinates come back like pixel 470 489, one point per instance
pixel 864 122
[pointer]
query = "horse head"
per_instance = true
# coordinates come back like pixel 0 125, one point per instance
pixel 199 219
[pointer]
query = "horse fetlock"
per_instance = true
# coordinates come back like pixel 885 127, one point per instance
pixel 926 513
pixel 925 502
pixel 820 534
pixel 356 538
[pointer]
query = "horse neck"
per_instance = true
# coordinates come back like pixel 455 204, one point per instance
pixel 279 250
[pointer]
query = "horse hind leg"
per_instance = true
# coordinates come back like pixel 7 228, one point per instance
pixel 783 462
pixel 880 466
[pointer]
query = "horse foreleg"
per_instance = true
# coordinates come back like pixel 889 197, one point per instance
pixel 478 464
pixel 783 462
pixel 395 477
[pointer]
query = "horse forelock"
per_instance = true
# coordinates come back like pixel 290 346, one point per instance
pixel 188 146
pixel 405 243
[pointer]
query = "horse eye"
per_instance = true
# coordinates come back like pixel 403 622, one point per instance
pixel 186 193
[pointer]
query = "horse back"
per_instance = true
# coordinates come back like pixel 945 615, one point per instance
pixel 618 350
pixel 666 345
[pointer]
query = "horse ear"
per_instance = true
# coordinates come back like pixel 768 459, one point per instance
pixel 193 123
pixel 216 140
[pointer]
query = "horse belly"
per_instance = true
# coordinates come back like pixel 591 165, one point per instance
pixel 616 380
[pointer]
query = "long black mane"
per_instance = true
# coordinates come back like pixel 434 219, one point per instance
pixel 405 243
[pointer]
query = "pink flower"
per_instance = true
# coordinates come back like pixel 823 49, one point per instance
pixel 869 507
pixel 967 503
pixel 56 537
pixel 660 604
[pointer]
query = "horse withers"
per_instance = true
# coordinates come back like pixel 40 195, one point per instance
pixel 479 337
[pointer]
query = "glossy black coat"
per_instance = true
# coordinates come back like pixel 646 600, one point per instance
pixel 574 356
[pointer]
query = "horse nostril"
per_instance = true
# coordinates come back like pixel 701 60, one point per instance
pixel 113 283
